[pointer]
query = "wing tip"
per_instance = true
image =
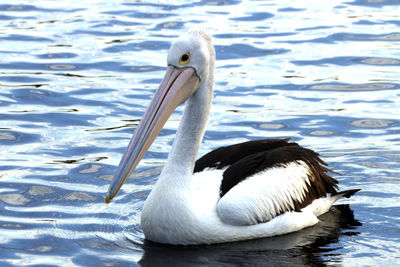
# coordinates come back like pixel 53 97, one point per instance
pixel 347 193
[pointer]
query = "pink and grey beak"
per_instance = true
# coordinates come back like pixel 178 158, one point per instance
pixel 176 87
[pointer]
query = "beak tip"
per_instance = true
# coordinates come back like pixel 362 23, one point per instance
pixel 108 199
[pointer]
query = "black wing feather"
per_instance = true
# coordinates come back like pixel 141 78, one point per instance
pixel 248 158
pixel 321 182
pixel 228 155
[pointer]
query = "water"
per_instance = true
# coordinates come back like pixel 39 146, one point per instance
pixel 76 76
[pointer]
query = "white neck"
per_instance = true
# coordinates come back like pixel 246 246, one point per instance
pixel 181 159
pixel 180 164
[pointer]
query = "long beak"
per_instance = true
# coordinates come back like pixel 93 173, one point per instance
pixel 176 87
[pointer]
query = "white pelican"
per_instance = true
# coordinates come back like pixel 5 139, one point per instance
pixel 245 191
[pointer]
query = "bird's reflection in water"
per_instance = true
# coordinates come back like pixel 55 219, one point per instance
pixel 305 247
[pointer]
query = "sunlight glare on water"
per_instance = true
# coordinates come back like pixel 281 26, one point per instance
pixel 76 77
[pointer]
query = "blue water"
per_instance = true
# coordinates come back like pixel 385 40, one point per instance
pixel 76 76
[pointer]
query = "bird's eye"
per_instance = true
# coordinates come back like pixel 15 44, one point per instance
pixel 185 59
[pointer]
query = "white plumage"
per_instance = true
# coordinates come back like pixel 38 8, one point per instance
pixel 253 201
pixel 190 216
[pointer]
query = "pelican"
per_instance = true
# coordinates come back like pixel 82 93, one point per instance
pixel 250 190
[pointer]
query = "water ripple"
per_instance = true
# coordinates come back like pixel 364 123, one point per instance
pixel 348 36
pixel 76 77
pixel 349 61
pixel 30 8
pixel 235 51
pixel 255 16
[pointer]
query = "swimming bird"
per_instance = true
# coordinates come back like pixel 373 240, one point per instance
pixel 255 189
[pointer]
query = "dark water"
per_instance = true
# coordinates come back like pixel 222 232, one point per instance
pixel 76 76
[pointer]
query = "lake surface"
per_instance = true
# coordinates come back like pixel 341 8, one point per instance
pixel 76 76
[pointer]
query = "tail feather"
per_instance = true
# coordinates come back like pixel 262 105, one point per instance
pixel 347 193
pixel 321 205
